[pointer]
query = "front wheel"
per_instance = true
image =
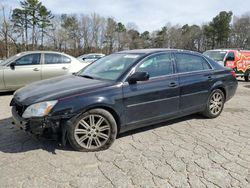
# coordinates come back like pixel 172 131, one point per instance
pixel 214 104
pixel 94 130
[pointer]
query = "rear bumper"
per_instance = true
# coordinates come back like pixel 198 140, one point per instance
pixel 231 90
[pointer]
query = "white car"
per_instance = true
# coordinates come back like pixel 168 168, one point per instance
pixel 89 58
pixel 27 67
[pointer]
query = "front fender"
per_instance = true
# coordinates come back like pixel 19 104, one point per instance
pixel 108 99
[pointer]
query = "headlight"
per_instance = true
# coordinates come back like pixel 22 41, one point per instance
pixel 39 109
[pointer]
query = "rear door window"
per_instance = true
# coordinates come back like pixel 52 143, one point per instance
pixel 56 59
pixel 65 59
pixel 190 63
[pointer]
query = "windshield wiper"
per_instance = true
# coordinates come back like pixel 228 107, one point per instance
pixel 86 76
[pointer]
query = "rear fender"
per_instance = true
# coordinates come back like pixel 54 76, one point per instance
pixel 2 84
pixel 219 85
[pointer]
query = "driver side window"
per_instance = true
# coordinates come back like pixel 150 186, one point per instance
pixel 157 65
pixel 31 59
pixel 230 56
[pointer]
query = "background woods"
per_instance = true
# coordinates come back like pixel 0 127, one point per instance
pixel 32 26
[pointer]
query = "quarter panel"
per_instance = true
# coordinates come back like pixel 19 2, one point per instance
pixel 2 85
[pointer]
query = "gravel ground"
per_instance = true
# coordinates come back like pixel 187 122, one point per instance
pixel 187 152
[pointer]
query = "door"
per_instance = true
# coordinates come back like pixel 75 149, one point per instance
pixel 157 98
pixel 195 79
pixel 230 60
pixel 55 65
pixel 27 69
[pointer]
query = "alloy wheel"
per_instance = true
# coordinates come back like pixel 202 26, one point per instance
pixel 216 103
pixel 92 131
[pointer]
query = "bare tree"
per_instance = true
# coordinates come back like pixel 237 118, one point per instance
pixel 5 31
pixel 241 31
pixel 85 28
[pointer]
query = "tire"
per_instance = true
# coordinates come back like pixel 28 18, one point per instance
pixel 215 104
pixel 93 125
pixel 246 77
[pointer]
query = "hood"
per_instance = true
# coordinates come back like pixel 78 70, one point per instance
pixel 56 88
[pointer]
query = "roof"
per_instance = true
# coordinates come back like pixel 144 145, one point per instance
pixel 92 54
pixel 40 51
pixel 154 50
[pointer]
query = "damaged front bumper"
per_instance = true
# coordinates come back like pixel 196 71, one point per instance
pixel 37 126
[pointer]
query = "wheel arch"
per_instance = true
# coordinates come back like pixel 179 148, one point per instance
pixel 110 110
pixel 223 90
pixel 219 85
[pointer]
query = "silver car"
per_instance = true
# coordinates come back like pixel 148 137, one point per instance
pixel 28 67
pixel 89 58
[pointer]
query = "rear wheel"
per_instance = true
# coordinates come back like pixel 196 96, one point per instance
pixel 93 131
pixel 215 104
pixel 246 77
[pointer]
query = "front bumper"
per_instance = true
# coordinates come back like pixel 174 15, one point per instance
pixel 36 126
pixel 18 121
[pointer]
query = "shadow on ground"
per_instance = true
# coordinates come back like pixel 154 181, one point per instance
pixel 13 140
pixel 6 93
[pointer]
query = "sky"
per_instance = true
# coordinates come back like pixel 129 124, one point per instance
pixel 146 14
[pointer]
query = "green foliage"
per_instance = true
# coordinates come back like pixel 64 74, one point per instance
pixel 218 30
pixel 45 17
pixel 31 15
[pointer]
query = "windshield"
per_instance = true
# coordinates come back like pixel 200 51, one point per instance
pixel 109 67
pixel 6 61
pixel 216 55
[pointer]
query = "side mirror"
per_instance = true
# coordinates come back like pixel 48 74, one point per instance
pixel 12 65
pixel 138 76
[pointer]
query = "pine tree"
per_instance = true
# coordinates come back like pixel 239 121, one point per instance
pixel 45 17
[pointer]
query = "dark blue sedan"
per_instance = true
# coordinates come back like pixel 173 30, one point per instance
pixel 120 92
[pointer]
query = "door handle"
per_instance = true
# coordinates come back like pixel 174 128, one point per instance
pixel 210 78
pixel 172 84
pixel 35 69
pixel 64 68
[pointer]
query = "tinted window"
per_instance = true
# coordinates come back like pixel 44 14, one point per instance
pixel 189 63
pixel 90 57
pixel 157 65
pixel 65 59
pixel 230 56
pixel 56 59
pixel 31 59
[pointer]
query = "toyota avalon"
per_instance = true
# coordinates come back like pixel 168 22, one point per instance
pixel 123 91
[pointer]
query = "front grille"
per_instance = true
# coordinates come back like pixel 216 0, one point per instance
pixel 19 107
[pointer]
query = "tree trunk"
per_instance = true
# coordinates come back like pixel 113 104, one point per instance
pixel 26 32
pixel 33 36
pixel 42 39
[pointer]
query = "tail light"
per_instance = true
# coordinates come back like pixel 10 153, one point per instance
pixel 233 73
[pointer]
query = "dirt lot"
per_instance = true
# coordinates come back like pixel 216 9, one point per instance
pixel 188 152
